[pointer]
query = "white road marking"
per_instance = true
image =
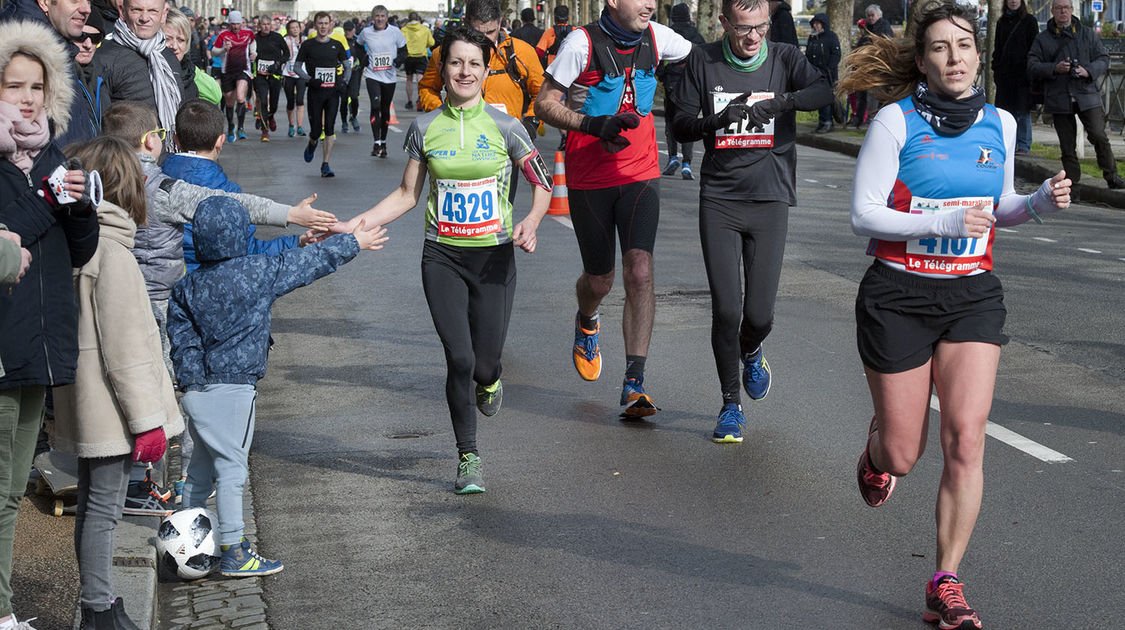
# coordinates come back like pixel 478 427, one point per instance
pixel 1008 230
pixel 1044 239
pixel 394 128
pixel 565 220
pixel 811 181
pixel 1089 251
pixel 1015 440
pixel 831 185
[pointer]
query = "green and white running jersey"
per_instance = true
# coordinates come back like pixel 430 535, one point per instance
pixel 468 154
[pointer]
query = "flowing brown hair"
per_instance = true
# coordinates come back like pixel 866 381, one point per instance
pixel 123 182
pixel 888 66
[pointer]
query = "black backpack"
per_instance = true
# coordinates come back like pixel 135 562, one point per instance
pixel 561 31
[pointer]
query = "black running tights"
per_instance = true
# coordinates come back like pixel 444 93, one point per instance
pixel 469 291
pixel 323 105
pixel 268 89
pixel 381 95
pixel 753 233
pixel 294 93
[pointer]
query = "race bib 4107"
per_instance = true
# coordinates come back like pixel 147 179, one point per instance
pixel 955 256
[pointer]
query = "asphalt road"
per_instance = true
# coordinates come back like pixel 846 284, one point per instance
pixel 592 522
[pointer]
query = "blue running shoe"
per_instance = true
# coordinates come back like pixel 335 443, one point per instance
pixel 355 124
pixel 292 131
pixel 469 478
pixel 729 428
pixel 301 131
pixel 756 375
pixel 230 138
pixel 241 133
pixel 326 171
pixel 242 561
pixel 344 127
pixel 310 151
pixel 637 403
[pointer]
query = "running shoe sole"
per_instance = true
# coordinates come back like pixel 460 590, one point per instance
pixel 726 439
pixel 472 488
pixel 640 407
pixel 251 573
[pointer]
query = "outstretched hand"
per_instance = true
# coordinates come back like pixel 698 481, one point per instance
pixel 306 215
pixel 370 238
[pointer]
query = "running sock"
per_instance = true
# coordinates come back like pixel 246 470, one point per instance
pixel 939 575
pixel 588 323
pixel 634 367
pixel 230 120
pixel 241 115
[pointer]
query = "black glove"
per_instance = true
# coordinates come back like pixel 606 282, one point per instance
pixel 731 114
pixel 609 129
pixel 762 112
pixel 314 83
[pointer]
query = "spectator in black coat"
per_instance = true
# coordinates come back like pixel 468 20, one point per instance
pixel 1015 32
pixel 782 28
pixel 823 52
pixel 528 32
pixel 1069 58
pixel 671 74
pixel 875 22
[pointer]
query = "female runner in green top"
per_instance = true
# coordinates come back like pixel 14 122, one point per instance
pixel 469 150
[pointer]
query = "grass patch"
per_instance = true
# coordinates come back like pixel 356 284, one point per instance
pixel 1089 165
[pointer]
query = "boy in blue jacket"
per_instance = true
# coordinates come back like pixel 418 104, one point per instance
pixel 219 326
pixel 200 132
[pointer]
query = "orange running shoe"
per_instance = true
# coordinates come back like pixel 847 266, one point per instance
pixel 637 403
pixel 587 355
pixel 946 606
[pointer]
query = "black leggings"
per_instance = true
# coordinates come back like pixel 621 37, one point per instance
pixel 268 89
pixel 753 232
pixel 470 292
pixel 294 93
pixel 349 102
pixel 323 102
pixel 381 95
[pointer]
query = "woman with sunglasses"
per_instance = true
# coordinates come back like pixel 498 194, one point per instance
pixel 470 152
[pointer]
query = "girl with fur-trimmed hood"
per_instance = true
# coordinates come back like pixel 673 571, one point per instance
pixel 38 316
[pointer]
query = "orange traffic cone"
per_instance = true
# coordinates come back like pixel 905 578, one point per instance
pixel 560 204
pixel 393 119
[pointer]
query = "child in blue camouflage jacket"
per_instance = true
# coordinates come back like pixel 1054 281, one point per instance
pixel 219 325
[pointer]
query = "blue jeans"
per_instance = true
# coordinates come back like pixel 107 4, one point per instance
pixel 1023 130
pixel 222 425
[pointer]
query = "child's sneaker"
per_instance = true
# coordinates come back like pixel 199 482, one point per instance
pixel 242 561
pixel 145 498
pixel 946 606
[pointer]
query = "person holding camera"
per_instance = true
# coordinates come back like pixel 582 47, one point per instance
pixel 1068 57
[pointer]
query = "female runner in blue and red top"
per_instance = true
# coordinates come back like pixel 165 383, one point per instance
pixel 934 177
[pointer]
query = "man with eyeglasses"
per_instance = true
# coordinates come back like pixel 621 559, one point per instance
pixel 747 89
pixel 1068 57
pixel 607 72
pixel 66 18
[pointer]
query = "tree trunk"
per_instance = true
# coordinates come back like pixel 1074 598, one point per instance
pixel 840 15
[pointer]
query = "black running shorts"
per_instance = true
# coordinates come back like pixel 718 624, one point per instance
pixel 900 317
pixel 631 210
pixel 416 65
pixel 228 81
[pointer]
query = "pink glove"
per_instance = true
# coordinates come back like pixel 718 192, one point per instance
pixel 149 446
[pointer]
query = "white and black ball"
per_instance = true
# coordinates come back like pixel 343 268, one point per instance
pixel 188 543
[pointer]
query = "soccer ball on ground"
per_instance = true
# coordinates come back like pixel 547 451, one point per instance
pixel 187 543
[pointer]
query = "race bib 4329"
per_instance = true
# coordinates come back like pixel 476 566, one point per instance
pixel 468 208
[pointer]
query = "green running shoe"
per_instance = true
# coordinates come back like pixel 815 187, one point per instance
pixel 469 480
pixel 490 398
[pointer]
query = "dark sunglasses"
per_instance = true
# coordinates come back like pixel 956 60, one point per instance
pixel 95 38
